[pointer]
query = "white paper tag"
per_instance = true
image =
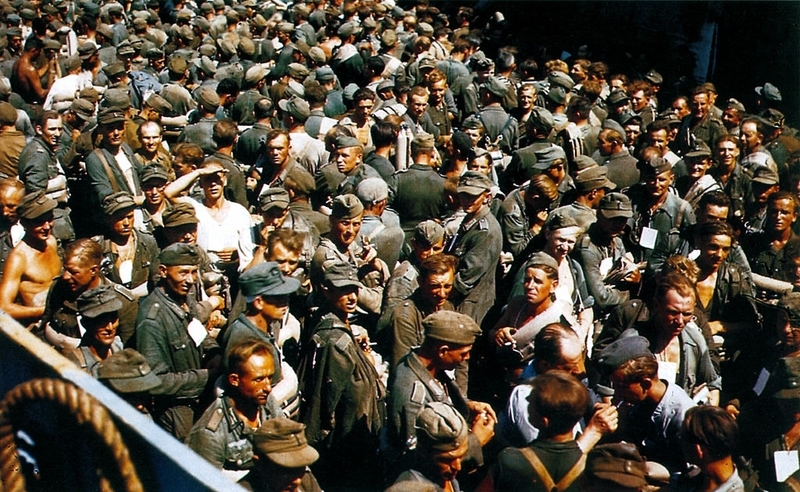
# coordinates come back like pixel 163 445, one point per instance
pixel 786 463
pixel 81 329
pixel 605 266
pixel 694 254
pixel 648 238
pixel 197 331
pixel 667 371
pixel 761 382
pixel 126 271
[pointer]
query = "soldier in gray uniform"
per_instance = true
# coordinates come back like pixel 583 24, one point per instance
pixel 346 170
pixel 420 378
pixel 202 130
pixel 417 193
pixel 701 124
pixel 99 311
pixel 381 226
pixel 477 244
pixel 222 434
pixel 521 168
pixel 175 343
pixel 502 129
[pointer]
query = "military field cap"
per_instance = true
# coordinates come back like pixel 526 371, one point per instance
pixel 106 31
pixel 98 301
pixel 617 96
pixel 540 258
pixel 179 254
pixel 115 203
pixel 495 86
pixel 542 119
pixel 557 94
pixel 302 10
pixel 669 116
pixel 50 9
pixel 560 218
pixel 385 84
pixel 655 166
pixel 259 21
pixel 619 463
pixel 180 214
pixel 461 142
pixel 285 27
pixel 127 371
pixel 341 274
pixel 441 427
pixel 389 37
pixel 349 91
pixel 206 65
pixel 13 32
pixel 547 157
pixel 90 94
pixel 232 17
pixel 344 142
pixel 735 104
pixel 428 232
pixel 219 4
pixel 206 8
pixel 428 63
pixel 109 116
pixel 766 176
pixel 300 110
pixel 52 44
pixel 769 92
pixel 699 149
pixel 425 29
pixel 654 77
pixel 786 376
pixel 302 47
pixel 472 123
pixel 622 350
pixel 594 178
pixel 158 104
pixel 154 171
pixel 303 180
pixel 255 74
pixel 346 207
pixel 27 14
pixel 791 304
pixel 324 74
pixel 177 64
pixel 34 205
pixel 560 79
pixel 630 118
pixel 582 163
pixel 266 279
pixel 139 23
pixel 272 198
pixel 423 140
pixel 90 8
pixel 295 88
pixel 615 205
pixel 348 29
pixel 480 61
pixel 473 183
pixel 451 327
pixel 772 117
pixel 153 53
pixel 86 50
pixel 125 50
pixel 296 70
pixel 318 55
pixel 117 99
pixel 208 98
pixel 114 69
pixel 72 62
pixel 372 190
pixel 283 442
pixel 207 49
pixel 8 114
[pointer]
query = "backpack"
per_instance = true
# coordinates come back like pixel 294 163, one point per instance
pixel 144 84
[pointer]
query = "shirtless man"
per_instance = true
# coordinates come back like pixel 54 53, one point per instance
pixel 25 77
pixel 33 263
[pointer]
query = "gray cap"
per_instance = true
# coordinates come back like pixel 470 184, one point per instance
pixel 622 350
pixel 618 463
pixel 272 198
pixel 127 371
pixel 615 205
pixel 298 108
pixel 206 65
pixel 324 74
pixel 560 218
pixel 283 442
pixel 296 70
pixel 266 279
pixel 700 149
pixel 341 274
pixel 617 96
pixel 255 74
pixel 560 79
pixel 428 232
pixel 179 254
pixel 542 119
pixel 786 377
pixel 117 100
pixel 594 178
pixel 440 427
pixel 372 190
pixel 344 142
pixel 451 327
pixel 473 183
pixel 208 98
pixel 423 140
pixel 495 86
pixel 557 94
pixel 122 201
pixel 549 156
pixel 158 104
pixel 582 163
pixel 654 77
pixel 152 171
pixel 540 258
pixel 98 301
pixel 346 206
pixel 766 176
pixel 655 166
pixel 317 54
pixel 769 92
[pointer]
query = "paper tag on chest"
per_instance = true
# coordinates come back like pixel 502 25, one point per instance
pixel 126 271
pixel 197 331
pixel 667 371
pixel 605 266
pixel 786 463
pixel 761 382
pixel 648 238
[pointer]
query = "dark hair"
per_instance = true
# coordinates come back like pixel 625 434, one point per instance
pixel 227 86
pixel 315 94
pixel 638 369
pixel 239 354
pixel 437 265
pixel 375 64
pixel 783 195
pixel 364 94
pixel 560 397
pixel 263 108
pixel 47 115
pixel 225 132
pixel 548 342
pixel 712 428
pixel 716 198
pixel 293 241
pixel 383 134
pixel 713 228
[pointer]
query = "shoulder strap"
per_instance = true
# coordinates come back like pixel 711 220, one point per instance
pixel 544 475
pixel 109 172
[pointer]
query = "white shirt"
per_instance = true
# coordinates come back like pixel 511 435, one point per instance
pixel 232 229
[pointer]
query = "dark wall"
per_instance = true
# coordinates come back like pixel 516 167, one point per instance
pixel 745 43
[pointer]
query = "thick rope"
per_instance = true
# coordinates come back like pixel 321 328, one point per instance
pixel 87 412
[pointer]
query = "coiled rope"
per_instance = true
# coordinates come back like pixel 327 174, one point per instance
pixel 116 473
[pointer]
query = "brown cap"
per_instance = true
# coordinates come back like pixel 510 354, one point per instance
pixel 8 114
pixel 298 108
pixel 179 254
pixel 473 183
pixel 428 232
pixel 346 207
pixel 208 98
pixel 34 205
pixel 177 65
pixel 127 371
pixel 180 214
pixel 303 180
pixel 619 463
pixel 118 202
pixel 451 327
pixel 154 171
pixel 108 116
pixel 440 427
pixel 765 176
pixel 594 178
pixel 272 198
pixel 283 442
pixel 423 140
pixel 655 166
pixel 615 205
pixel 540 258
pixel 98 301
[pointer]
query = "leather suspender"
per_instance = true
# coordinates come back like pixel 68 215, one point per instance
pixel 544 475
